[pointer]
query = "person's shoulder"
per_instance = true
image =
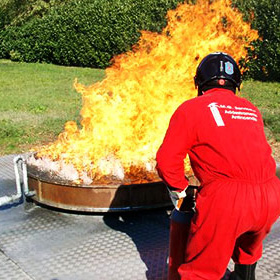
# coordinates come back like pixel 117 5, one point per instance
pixel 191 103
pixel 191 108
pixel 246 102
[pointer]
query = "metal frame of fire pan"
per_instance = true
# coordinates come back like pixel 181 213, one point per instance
pixel 99 198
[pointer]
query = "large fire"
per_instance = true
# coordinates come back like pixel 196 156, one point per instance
pixel 125 116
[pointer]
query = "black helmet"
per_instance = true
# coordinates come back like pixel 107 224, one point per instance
pixel 217 70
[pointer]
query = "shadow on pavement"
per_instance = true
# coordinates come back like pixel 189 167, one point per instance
pixel 149 230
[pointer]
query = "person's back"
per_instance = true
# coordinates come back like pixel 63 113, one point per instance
pixel 239 197
pixel 229 139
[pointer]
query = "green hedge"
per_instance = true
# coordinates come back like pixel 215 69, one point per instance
pixel 84 32
pixel 16 12
pixel 91 32
pixel 265 17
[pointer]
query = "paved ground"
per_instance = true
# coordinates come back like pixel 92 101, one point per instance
pixel 40 243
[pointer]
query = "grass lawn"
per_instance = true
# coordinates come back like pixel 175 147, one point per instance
pixel 266 96
pixel 37 99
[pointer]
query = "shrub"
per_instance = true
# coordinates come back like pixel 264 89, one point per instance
pixel 16 12
pixel 265 17
pixel 84 32
pixel 91 32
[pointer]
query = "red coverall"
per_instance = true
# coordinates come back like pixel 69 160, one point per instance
pixel 239 198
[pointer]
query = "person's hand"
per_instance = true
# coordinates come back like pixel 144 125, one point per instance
pixel 184 200
pixel 188 203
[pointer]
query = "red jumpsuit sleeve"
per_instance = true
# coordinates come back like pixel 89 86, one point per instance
pixel 171 154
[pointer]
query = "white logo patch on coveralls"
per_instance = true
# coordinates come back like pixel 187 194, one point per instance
pixel 237 113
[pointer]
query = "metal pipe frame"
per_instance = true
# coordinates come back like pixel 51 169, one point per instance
pixel 21 190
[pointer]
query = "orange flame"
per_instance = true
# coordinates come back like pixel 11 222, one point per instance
pixel 125 116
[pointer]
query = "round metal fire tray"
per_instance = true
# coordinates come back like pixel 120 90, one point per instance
pixel 96 198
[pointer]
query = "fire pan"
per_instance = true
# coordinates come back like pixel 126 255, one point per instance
pixel 99 198
pixel 96 198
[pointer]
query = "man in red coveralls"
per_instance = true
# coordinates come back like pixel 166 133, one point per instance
pixel 239 197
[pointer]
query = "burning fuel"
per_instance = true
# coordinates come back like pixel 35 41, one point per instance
pixel 125 116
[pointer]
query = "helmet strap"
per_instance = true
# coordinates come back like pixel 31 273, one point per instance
pixel 217 84
pixel 232 88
